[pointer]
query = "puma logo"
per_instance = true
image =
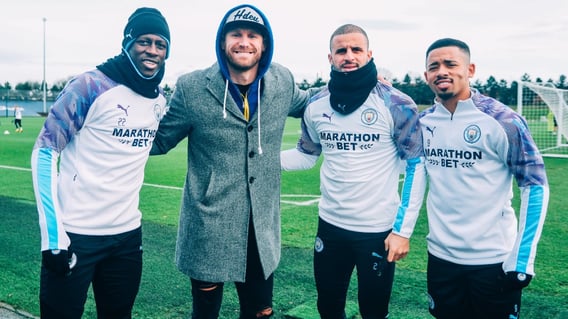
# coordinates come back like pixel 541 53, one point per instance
pixel 124 109
pixel 431 130
pixel 328 116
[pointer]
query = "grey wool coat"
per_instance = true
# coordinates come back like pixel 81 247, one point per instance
pixel 227 179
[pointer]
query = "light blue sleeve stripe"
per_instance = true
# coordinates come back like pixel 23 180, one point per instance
pixel 44 181
pixel 532 225
pixel 405 193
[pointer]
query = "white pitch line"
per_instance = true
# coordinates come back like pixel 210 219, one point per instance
pixel 304 203
pixel 163 186
pixel 299 195
pixel 298 203
pixel 310 202
pixel 16 168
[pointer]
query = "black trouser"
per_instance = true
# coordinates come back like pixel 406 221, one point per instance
pixel 469 292
pixel 113 264
pixel 18 123
pixel 255 294
pixel 336 252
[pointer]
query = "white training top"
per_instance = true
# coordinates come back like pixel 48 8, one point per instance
pixel 362 160
pixel 471 159
pixel 102 133
pixel 18 113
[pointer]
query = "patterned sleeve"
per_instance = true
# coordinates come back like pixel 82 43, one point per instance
pixel 527 166
pixel 306 153
pixel 67 115
pixel 407 133
pixel 64 120
pixel 306 144
pixel 408 139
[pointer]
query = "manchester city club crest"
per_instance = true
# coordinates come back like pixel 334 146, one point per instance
pixel 369 116
pixel 318 246
pixel 471 134
pixel 158 113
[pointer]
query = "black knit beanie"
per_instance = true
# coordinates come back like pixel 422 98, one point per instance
pixel 145 21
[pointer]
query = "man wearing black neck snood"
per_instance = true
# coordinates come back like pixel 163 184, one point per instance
pixel 368 132
pixel 88 168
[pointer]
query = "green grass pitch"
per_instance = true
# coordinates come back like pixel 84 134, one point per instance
pixel 165 292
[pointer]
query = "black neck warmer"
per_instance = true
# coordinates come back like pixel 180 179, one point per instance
pixel 120 70
pixel 349 90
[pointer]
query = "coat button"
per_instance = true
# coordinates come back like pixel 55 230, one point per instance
pixel 250 128
pixel 251 180
pixel 251 154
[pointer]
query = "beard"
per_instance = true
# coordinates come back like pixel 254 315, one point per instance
pixel 445 95
pixel 242 67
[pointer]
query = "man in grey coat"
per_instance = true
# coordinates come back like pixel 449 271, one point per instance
pixel 233 114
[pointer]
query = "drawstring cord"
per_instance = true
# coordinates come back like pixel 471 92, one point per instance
pixel 225 99
pixel 258 110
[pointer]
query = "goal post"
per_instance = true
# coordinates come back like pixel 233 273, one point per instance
pixel 545 108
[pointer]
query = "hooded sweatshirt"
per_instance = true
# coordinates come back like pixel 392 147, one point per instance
pixel 230 184
pixel 239 16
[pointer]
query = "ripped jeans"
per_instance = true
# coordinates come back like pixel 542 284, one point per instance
pixel 255 294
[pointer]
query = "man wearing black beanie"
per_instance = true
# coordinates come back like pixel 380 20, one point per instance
pixel 88 167
pixel 125 68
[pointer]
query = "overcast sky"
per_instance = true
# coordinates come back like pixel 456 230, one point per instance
pixel 507 37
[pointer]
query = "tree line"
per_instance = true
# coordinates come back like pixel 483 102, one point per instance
pixel 416 88
pixel 31 90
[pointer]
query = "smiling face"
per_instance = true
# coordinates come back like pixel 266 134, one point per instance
pixel 349 51
pixel 448 71
pixel 243 48
pixel 148 52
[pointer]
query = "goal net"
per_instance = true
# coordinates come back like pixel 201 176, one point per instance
pixel 546 110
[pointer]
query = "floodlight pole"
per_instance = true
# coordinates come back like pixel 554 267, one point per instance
pixel 44 84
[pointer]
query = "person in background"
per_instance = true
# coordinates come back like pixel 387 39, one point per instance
pixel 366 131
pixel 18 119
pixel 88 167
pixel 233 115
pixel 480 256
